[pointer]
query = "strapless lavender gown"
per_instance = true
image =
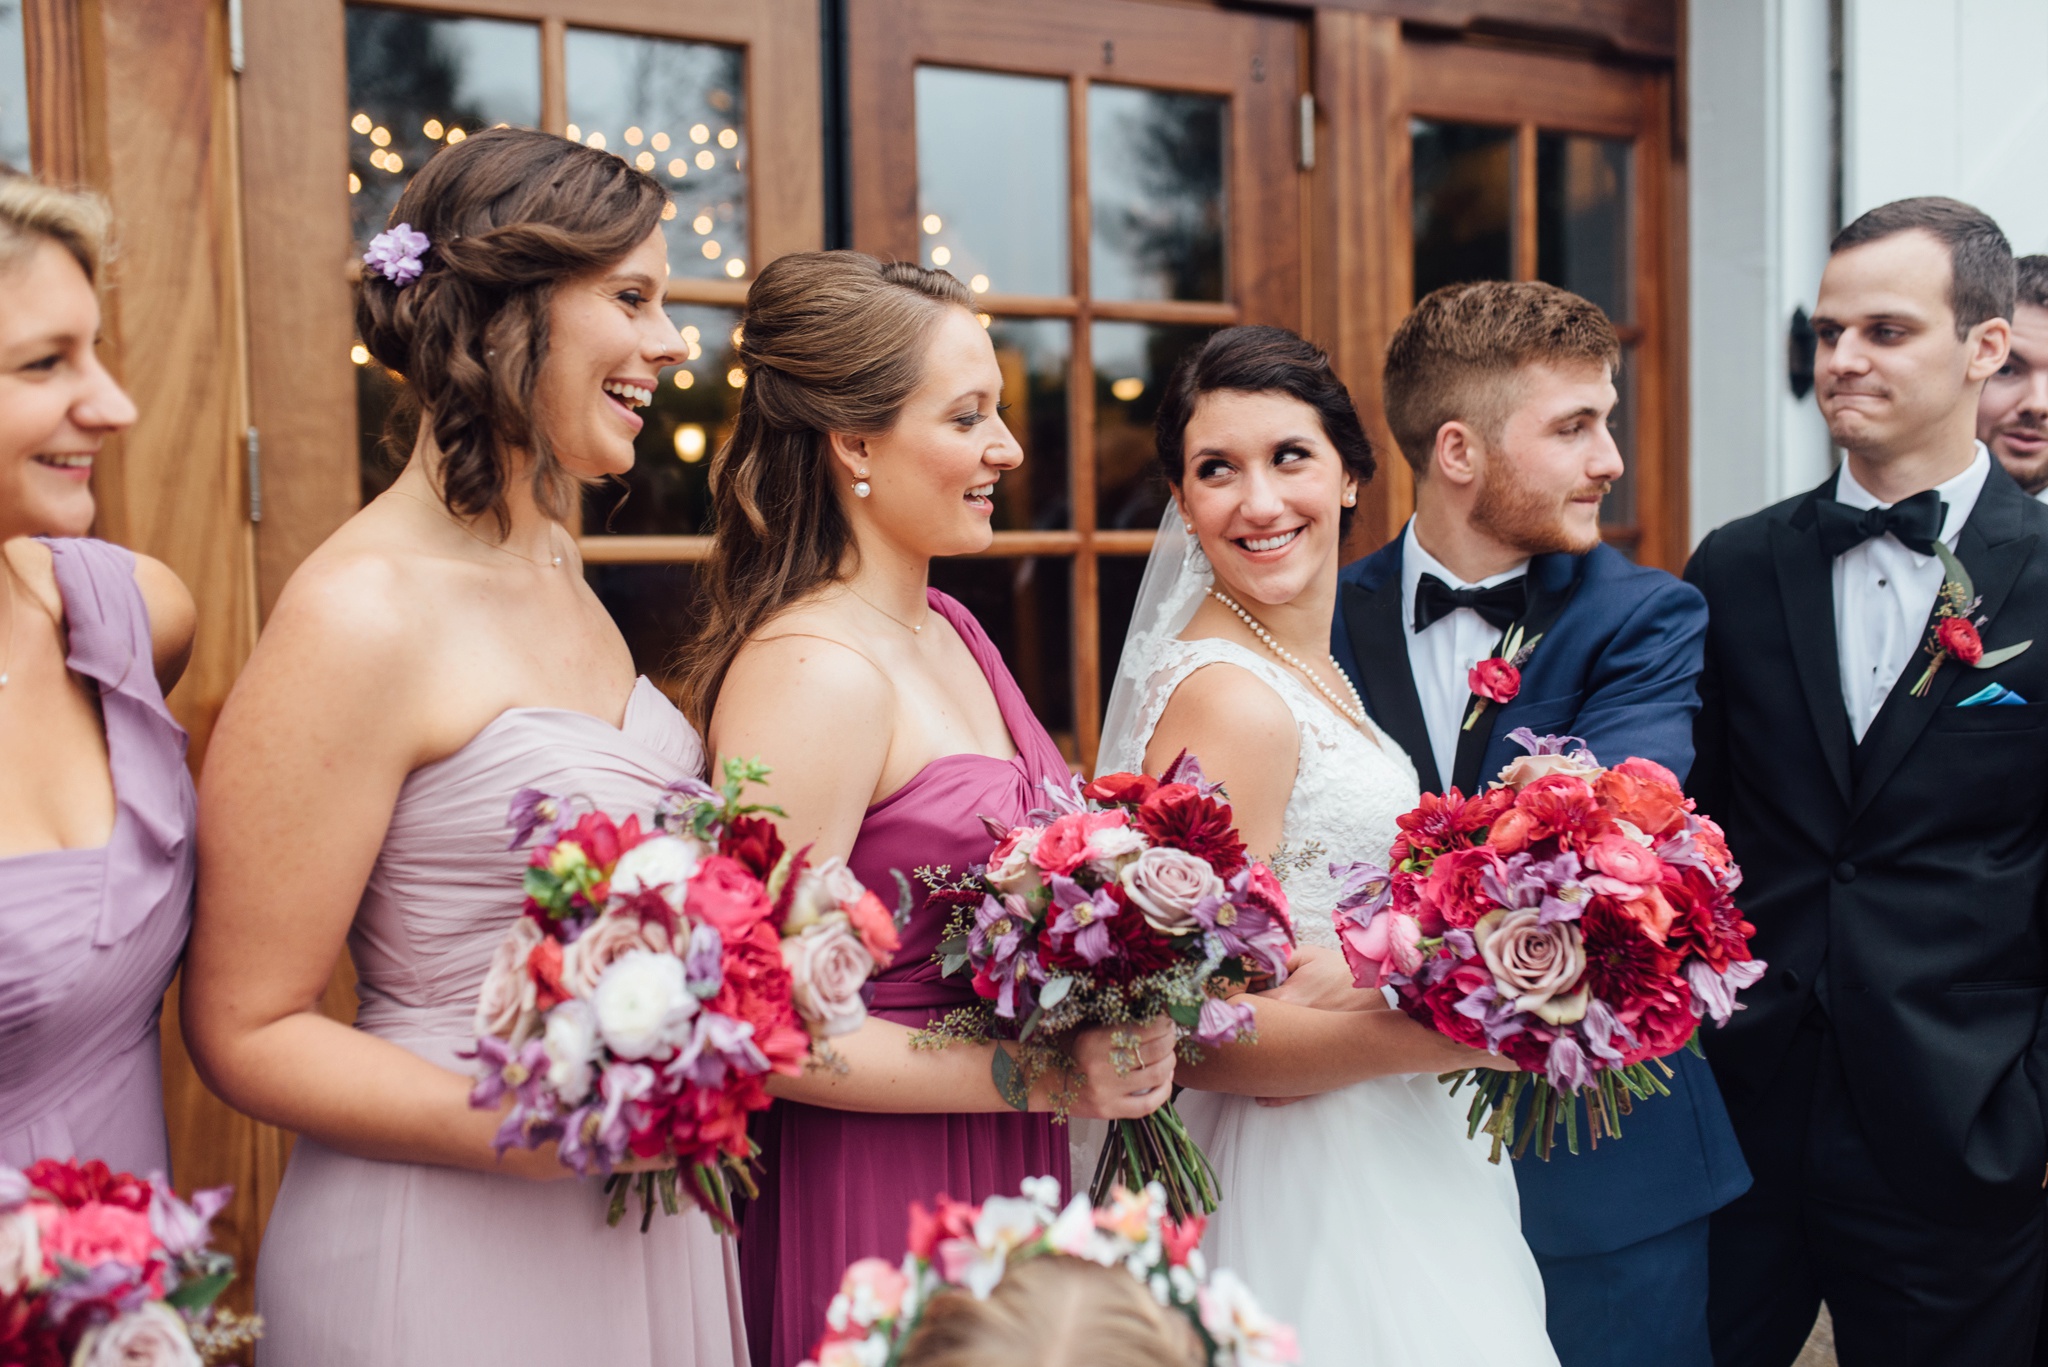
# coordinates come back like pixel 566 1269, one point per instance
pixel 839 1183
pixel 408 1265
pixel 89 938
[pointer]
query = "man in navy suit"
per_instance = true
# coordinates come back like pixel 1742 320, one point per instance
pixel 1499 396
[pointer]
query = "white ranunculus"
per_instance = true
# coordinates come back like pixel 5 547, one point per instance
pixel 664 862
pixel 571 1042
pixel 1113 848
pixel 643 1004
pixel 821 890
pixel 21 1251
pixel 154 1336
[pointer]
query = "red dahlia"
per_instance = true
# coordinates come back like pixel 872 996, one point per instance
pixel 1623 966
pixel 1180 818
pixel 754 841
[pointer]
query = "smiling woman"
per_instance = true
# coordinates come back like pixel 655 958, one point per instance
pixel 436 655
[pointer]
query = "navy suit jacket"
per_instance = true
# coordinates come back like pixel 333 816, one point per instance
pixel 1618 666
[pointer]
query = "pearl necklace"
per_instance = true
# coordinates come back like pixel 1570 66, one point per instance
pixel 1354 712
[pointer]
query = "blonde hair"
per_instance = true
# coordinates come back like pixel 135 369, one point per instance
pixel 32 213
pixel 1054 1312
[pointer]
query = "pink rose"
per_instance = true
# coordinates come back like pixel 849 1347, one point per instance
pixel 21 1251
pixel 506 1004
pixel 95 1233
pixel 1520 773
pixel 154 1336
pixel 872 1290
pixel 1388 944
pixel 1628 867
pixel 1065 843
pixel 827 967
pixel 1166 886
pixel 607 938
pixel 1535 964
pixel 1010 868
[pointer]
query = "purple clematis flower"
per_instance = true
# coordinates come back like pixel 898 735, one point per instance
pixel 112 1280
pixel 1187 769
pixel 1364 888
pixel 1713 994
pixel 180 1227
pixel 1549 884
pixel 704 962
pixel 1567 1067
pixel 1223 1021
pixel 1601 1028
pixel 1023 968
pixel 1497 1014
pixel 531 810
pixel 1084 916
pixel 998 931
pixel 1570 746
pixel 717 1045
pixel 1062 799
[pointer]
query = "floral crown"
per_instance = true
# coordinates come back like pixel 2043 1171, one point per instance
pixel 395 254
pixel 963 1247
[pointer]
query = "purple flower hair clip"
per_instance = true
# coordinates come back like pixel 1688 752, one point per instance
pixel 395 253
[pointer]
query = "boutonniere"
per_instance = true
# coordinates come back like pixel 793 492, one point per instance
pixel 1498 677
pixel 1956 632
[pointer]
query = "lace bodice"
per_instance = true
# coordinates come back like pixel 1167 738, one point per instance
pixel 1347 790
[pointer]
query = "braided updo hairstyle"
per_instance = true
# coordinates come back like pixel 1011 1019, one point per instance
pixel 831 342
pixel 510 213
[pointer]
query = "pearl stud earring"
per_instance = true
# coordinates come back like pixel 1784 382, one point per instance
pixel 861 487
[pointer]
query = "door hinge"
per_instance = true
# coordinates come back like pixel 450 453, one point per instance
pixel 253 445
pixel 1308 131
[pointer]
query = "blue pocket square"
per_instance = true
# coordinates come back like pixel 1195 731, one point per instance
pixel 1993 695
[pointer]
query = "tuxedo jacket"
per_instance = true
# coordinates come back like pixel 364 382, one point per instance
pixel 1895 884
pixel 1617 666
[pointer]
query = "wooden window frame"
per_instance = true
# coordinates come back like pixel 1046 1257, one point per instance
pixel 302 258
pixel 1084 42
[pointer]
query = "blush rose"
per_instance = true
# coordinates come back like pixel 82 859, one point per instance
pixel 1537 965
pixel 154 1336
pixel 507 1001
pixel 585 961
pixel 827 967
pixel 1166 886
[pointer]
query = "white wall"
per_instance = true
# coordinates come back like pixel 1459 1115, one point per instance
pixel 1940 97
pixel 1759 190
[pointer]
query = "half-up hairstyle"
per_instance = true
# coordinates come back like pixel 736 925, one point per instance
pixel 831 342
pixel 1054 1312
pixel 509 213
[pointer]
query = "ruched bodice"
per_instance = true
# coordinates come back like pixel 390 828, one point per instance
pixel 408 1265
pixel 89 938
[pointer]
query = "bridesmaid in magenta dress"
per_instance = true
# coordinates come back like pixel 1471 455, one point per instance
pixel 868 442
pixel 437 654
pixel 96 806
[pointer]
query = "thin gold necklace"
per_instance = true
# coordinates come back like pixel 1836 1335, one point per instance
pixel 7 668
pixel 469 531
pixel 1354 712
pixel 915 628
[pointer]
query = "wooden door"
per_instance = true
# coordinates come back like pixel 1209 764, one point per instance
pixel 1521 165
pixel 1114 180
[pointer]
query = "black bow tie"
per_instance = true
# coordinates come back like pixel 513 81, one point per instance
pixel 1500 605
pixel 1915 521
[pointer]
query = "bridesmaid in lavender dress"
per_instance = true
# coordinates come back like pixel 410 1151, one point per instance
pixel 95 803
pixel 439 653
pixel 868 442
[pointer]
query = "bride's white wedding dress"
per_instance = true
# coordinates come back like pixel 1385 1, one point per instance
pixel 1364 1217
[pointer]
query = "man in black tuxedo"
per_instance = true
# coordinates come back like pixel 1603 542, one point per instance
pixel 1888 803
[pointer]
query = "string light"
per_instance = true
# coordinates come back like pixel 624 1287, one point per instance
pixel 691 333
pixel 932 224
pixel 359 353
pixel 393 163
pixel 678 168
pixel 712 250
pixel 684 379
pixel 361 123
pixel 645 161
pixel 381 135
pixel 696 353
pixel 355 183
pixel 699 133
pixel 573 133
pixel 942 256
pixel 736 377
pixel 735 268
pixel 634 135
pixel 705 161
pixel 432 128
pixel 728 138
pixel 738 334
pixel 979 284
pixel 1127 389
pixel 595 140
pixel 455 135
pixel 659 142
pixel 377 157
pixel 668 211
pixel 690 442
pixel 984 320
pixel 702 223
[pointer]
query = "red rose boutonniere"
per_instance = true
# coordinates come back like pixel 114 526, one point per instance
pixel 1498 677
pixel 1956 632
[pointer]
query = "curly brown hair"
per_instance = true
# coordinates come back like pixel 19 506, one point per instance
pixel 1054 1312
pixel 831 342
pixel 1454 358
pixel 510 213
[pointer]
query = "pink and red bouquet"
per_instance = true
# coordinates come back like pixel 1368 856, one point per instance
pixel 657 978
pixel 1579 920
pixel 104 1269
pixel 1122 900
pixel 965 1250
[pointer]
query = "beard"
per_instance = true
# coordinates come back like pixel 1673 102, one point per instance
pixel 1517 513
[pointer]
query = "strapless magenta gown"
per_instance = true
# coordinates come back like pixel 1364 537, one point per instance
pixel 839 1183
pixel 407 1265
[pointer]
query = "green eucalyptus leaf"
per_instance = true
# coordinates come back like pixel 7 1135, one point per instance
pixel 1993 658
pixel 1953 570
pixel 1055 992
pixel 198 1292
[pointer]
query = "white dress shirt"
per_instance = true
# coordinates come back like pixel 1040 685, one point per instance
pixel 1441 657
pixel 1884 592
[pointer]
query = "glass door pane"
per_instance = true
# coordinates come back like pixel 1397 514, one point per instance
pixel 992 179
pixel 1036 356
pixel 1583 226
pixel 1464 203
pixel 1133 362
pixel 13 87
pixel 1156 194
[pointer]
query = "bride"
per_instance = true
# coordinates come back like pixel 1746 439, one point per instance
pixel 1351 1196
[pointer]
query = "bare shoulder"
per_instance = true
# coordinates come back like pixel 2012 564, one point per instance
pixel 1228 697
pixel 173 618
pixel 807 654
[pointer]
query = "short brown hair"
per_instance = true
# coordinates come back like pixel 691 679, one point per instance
pixel 831 342
pixel 1054 1312
pixel 1452 358
pixel 2031 274
pixel 1981 275
pixel 1262 360
pixel 32 212
pixel 509 213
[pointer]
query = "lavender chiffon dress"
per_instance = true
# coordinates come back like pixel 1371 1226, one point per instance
pixel 89 938
pixel 839 1184
pixel 409 1265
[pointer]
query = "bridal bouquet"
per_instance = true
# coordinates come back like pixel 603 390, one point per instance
pixel 963 1248
pixel 657 977
pixel 103 1269
pixel 1120 901
pixel 1578 919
